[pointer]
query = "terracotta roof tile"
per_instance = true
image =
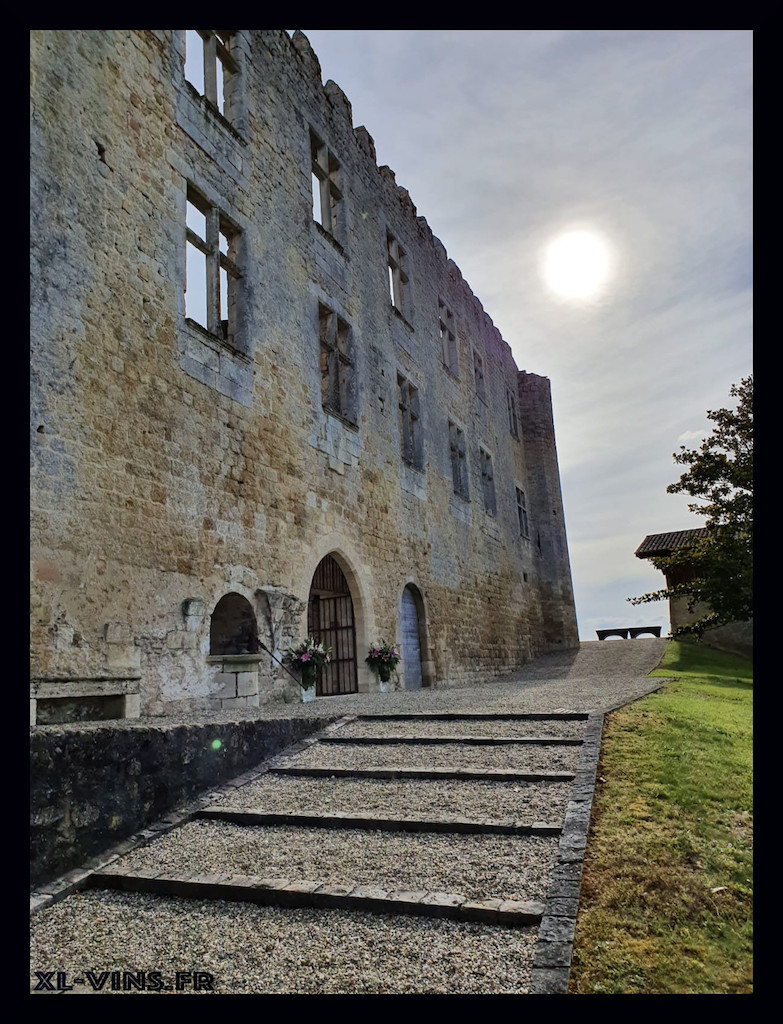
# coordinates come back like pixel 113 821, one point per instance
pixel 656 544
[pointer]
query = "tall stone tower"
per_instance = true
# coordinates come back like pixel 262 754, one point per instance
pixel 558 615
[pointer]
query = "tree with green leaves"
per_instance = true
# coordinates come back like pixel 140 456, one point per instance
pixel 717 570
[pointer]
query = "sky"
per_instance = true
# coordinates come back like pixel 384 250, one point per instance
pixel 637 147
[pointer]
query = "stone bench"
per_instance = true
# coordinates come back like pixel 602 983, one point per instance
pixel 630 631
pixel 99 688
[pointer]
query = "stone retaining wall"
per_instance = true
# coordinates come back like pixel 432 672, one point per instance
pixel 92 787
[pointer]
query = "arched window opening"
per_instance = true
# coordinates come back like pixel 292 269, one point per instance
pixel 233 628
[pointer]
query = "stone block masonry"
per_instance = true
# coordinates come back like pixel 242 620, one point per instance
pixel 94 786
pixel 232 380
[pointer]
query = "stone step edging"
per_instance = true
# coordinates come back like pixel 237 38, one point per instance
pixel 458 774
pixel 481 741
pixel 479 716
pixel 380 822
pixel 284 892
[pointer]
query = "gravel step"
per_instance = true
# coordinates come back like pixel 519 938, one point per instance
pixel 520 758
pixel 253 949
pixel 428 726
pixel 542 801
pixel 300 892
pixel 410 823
pixel 476 866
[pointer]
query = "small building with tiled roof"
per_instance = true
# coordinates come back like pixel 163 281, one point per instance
pixel 656 545
pixel 736 637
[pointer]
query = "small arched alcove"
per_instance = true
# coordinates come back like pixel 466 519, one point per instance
pixel 233 628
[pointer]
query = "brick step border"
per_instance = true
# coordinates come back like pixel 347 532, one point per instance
pixel 285 892
pixel 460 774
pixel 383 823
pixel 477 716
pixel 475 741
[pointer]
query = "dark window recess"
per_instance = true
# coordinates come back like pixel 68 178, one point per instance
pixel 448 338
pixel 524 529
pixel 478 373
pixel 487 482
pixel 513 424
pixel 233 628
pixel 338 372
pixel 410 423
pixel 459 465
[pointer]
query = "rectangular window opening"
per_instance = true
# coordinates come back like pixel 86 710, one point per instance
pixel 524 530
pixel 448 338
pixel 212 273
pixel 325 183
pixel 316 184
pixel 194 60
pixel 459 468
pixel 210 67
pixel 478 372
pixel 195 286
pixel 398 278
pixel 488 482
pixel 513 423
pixel 410 429
pixel 338 381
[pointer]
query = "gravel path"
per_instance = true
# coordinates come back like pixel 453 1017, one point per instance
pixel 252 949
pixel 475 800
pixel 422 727
pixel 476 866
pixel 592 677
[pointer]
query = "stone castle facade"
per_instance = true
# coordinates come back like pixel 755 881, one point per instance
pixel 265 403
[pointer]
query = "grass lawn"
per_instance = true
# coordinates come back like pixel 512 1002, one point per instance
pixel 667 887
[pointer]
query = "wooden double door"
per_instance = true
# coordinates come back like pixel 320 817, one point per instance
pixel 330 619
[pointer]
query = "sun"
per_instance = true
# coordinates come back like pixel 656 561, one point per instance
pixel 577 265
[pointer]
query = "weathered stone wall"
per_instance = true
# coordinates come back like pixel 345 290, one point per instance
pixel 170 467
pixel 733 638
pixel 94 786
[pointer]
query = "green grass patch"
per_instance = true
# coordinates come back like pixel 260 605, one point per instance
pixel 667 887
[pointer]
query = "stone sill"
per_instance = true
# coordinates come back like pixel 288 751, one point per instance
pixel 211 111
pixel 238 659
pixel 331 239
pixel 332 414
pixel 401 316
pixel 215 341
pixel 98 686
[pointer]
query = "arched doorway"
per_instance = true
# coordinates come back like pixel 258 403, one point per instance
pixel 410 637
pixel 330 619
